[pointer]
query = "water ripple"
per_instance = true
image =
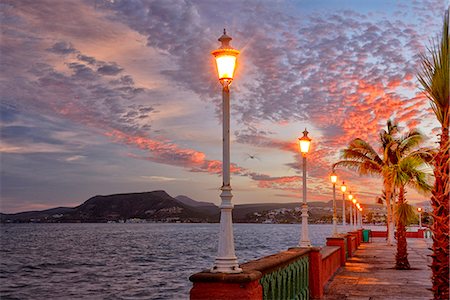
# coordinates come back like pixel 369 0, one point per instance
pixel 124 261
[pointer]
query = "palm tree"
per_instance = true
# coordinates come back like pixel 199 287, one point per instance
pixel 434 78
pixel 408 171
pixel 360 156
pixel 405 215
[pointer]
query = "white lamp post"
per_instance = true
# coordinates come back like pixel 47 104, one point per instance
pixel 350 197
pixel 304 142
pixel 333 178
pixel 354 207
pixel 343 189
pixel 226 260
pixel 360 218
pixel 358 208
pixel 419 209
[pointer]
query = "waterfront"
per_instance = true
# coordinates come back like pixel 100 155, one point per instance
pixel 125 261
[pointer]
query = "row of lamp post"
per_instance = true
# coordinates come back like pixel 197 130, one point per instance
pixel 226 260
pixel 355 218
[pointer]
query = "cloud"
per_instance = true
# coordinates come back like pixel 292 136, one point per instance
pixel 110 69
pixel 62 48
pixel 75 158
pixel 162 178
pixel 342 72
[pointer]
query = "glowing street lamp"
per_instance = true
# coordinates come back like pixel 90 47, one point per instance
pixel 419 209
pixel 304 143
pixel 358 215
pixel 226 260
pixel 333 178
pixel 354 207
pixel 343 189
pixel 350 197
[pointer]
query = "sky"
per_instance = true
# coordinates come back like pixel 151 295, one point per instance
pixel 102 97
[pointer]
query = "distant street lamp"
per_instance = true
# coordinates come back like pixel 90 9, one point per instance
pixel 354 207
pixel 226 260
pixel 304 142
pixel 333 178
pixel 360 218
pixel 343 189
pixel 358 206
pixel 419 209
pixel 350 197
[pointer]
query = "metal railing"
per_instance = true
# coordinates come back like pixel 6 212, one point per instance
pixel 289 282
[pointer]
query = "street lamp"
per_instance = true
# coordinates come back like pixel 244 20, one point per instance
pixel 358 206
pixel 354 206
pixel 419 209
pixel 343 189
pixel 304 143
pixel 333 178
pixel 226 260
pixel 350 197
pixel 360 218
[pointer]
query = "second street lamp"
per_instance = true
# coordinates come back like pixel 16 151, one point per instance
pixel 226 260
pixel 333 178
pixel 343 189
pixel 304 142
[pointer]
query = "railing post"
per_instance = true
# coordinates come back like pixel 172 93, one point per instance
pixel 221 286
pixel 315 274
pixel 351 243
pixel 360 235
pixel 341 243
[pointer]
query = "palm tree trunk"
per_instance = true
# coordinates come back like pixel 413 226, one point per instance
pixel 440 228
pixel 390 228
pixel 401 258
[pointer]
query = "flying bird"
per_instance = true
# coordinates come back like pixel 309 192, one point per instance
pixel 252 156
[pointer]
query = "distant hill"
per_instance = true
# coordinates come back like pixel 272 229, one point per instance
pixel 188 201
pixel 155 206
pixel 158 206
pixel 36 215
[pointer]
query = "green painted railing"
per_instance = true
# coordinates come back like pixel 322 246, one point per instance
pixel 289 282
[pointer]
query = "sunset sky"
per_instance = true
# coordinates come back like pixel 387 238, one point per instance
pixel 102 97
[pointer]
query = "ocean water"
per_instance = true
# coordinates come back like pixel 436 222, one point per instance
pixel 125 261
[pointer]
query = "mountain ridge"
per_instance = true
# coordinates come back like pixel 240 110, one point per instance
pixel 159 206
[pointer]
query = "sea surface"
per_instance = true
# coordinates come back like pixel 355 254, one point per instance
pixel 125 261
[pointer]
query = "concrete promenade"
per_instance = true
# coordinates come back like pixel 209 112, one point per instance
pixel 370 273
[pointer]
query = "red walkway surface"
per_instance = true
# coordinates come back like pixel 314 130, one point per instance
pixel 370 274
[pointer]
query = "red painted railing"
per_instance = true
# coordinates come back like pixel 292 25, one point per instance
pixel 322 264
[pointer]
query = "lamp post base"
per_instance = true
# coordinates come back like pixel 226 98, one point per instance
pixel 305 242
pixel 335 231
pixel 226 265
pixel 226 261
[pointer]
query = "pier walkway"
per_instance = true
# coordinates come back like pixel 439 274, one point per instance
pixel 370 274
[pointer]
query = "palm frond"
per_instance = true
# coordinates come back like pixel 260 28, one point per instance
pixel 434 74
pixel 405 213
pixel 409 141
pixel 362 167
pixel 362 147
